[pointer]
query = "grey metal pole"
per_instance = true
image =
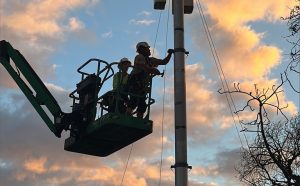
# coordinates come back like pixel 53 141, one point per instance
pixel 181 166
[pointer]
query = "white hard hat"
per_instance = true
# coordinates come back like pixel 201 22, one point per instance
pixel 124 61
pixel 142 44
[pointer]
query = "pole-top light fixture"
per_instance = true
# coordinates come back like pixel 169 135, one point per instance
pixel 159 4
pixel 188 5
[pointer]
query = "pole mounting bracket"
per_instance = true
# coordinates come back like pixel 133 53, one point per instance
pixel 181 165
pixel 181 50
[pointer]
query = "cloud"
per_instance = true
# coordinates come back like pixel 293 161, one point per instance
pixel 222 166
pixel 54 87
pixel 197 183
pixel 36 28
pixel 238 45
pixel 211 170
pixel 259 59
pixel 36 165
pixel 142 22
pixel 227 160
pixel 243 55
pixel 40 18
pixel 241 48
pixel 239 13
pixel 145 13
pixel 75 24
pixel 108 34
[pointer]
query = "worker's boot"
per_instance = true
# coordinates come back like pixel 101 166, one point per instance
pixel 129 111
pixel 140 115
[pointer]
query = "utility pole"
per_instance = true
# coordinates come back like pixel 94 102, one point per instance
pixel 180 7
pixel 181 166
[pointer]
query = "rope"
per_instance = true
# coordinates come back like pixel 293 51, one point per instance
pixel 163 100
pixel 156 33
pixel 164 84
pixel 153 51
pixel 220 71
pixel 126 165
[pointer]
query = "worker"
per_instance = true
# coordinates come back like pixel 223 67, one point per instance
pixel 121 77
pixel 119 82
pixel 144 68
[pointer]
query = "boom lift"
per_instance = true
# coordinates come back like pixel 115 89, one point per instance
pixel 110 132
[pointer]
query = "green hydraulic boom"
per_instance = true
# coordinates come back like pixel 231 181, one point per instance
pixel 41 95
pixel 110 132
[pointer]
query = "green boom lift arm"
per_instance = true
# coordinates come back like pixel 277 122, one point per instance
pixel 37 93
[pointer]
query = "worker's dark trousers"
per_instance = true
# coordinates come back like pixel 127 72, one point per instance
pixel 136 90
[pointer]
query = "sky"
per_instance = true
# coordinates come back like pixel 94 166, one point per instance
pixel 57 36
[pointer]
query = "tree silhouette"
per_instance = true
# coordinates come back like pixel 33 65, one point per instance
pixel 273 158
pixel 293 23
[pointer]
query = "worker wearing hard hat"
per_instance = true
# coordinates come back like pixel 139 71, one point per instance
pixel 144 67
pixel 119 83
pixel 120 78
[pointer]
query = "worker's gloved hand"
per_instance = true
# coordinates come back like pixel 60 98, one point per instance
pixel 170 51
pixel 155 71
